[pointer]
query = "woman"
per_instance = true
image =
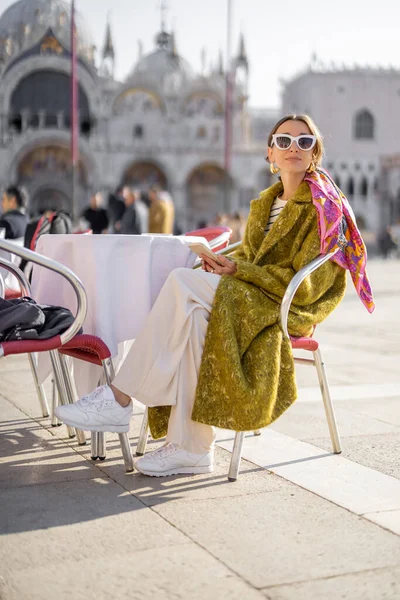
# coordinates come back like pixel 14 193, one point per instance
pixel 211 352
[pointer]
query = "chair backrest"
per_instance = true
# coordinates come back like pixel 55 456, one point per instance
pixel 56 267
pixel 218 236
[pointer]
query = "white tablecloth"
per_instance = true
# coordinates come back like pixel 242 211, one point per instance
pixel 122 276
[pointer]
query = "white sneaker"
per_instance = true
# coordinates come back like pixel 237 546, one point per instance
pixel 170 459
pixel 98 411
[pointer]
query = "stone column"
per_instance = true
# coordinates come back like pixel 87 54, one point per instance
pixel 178 194
pixel 25 118
pixel 60 119
pixel 42 118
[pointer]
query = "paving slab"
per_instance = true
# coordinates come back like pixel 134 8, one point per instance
pixel 56 522
pixel 331 476
pixel 175 573
pixel 31 455
pixel 305 420
pixel 281 537
pixel 389 519
pixel 384 409
pixel 379 452
pixel 157 490
pixel 378 584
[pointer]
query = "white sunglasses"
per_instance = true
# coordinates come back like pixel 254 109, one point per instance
pixel 283 141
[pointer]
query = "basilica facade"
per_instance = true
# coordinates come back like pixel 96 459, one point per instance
pixel 164 124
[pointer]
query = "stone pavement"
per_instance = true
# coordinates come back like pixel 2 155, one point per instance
pixel 300 523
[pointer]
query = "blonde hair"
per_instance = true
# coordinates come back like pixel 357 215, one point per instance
pixel 318 151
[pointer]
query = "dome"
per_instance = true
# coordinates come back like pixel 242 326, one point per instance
pixel 164 66
pixel 26 21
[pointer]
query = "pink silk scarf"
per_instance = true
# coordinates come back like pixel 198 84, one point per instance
pixel 337 229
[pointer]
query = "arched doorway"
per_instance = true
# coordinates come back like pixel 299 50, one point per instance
pixel 208 190
pixel 46 172
pixel 144 174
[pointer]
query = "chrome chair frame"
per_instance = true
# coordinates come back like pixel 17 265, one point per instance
pixel 59 362
pixel 61 382
pixel 2 287
pixel 317 361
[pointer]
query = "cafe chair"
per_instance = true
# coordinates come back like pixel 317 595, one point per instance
pixel 92 349
pixel 309 344
pixel 218 236
pixel 70 343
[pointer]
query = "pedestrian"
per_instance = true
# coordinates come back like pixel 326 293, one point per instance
pixel 211 352
pixel 131 221
pixel 14 219
pixel 162 212
pixel 95 216
pixel 386 243
pixel 143 209
pixel 395 231
pixel 116 209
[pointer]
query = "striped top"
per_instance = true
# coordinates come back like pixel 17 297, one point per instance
pixel 276 208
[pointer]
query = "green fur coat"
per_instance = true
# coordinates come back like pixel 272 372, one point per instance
pixel 247 377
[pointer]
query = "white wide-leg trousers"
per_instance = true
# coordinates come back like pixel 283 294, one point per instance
pixel 163 364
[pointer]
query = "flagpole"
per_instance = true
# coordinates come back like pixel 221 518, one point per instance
pixel 228 109
pixel 74 117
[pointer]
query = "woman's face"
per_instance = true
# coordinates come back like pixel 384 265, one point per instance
pixel 292 160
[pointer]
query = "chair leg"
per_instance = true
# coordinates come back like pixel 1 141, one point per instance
pixel 55 422
pixel 39 387
pixel 97 445
pixel 236 456
pixel 80 435
pixel 326 397
pixel 101 445
pixel 109 375
pixel 126 451
pixel 143 435
pixel 94 452
pixel 62 392
pixel 98 439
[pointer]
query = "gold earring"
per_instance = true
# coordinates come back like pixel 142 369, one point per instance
pixel 311 168
pixel 274 170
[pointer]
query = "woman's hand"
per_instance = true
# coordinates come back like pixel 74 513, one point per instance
pixel 228 267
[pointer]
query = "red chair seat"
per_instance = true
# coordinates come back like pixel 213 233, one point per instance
pixel 30 346
pixel 304 343
pixel 83 346
pixel 88 348
pixel 210 233
pixel 12 294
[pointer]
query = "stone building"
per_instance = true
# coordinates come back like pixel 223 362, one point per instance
pixel 166 124
pixel 163 124
pixel 357 109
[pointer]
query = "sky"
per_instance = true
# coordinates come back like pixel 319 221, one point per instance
pixel 280 35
